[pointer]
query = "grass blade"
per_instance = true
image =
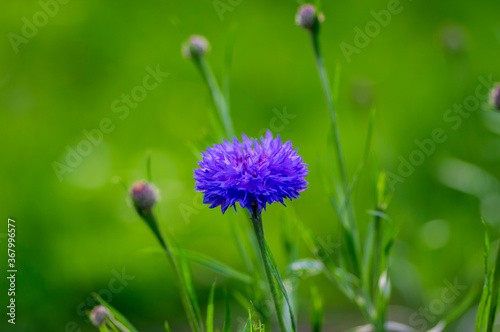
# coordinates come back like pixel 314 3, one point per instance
pixel 210 309
pixel 248 325
pixel 188 284
pixel 277 276
pixel 317 310
pixel 227 321
pixel 217 266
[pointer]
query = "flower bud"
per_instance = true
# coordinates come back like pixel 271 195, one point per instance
pixel 144 195
pixel 196 47
pixel 308 18
pixel 495 97
pixel 99 314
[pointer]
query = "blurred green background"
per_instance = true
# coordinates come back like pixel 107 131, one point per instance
pixel 74 232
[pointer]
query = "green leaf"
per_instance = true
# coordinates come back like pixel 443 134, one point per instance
pixel 188 283
pixel 338 276
pixel 487 248
pixel 217 266
pixel 167 327
pixel 227 321
pixel 248 325
pixel 116 314
pixel 277 276
pixel 494 292
pixel 317 310
pixel 210 309
pixel 368 255
pixel 488 304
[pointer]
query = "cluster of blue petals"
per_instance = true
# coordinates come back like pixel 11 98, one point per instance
pixel 250 173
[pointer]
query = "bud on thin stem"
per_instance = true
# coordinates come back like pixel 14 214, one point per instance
pixel 196 47
pixel 308 17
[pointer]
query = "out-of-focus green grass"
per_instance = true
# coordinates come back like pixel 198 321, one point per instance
pixel 72 234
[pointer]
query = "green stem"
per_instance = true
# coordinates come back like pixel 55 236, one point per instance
pixel 378 240
pixel 150 219
pixel 259 232
pixel 217 96
pixel 325 83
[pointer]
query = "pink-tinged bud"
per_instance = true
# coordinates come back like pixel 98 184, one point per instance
pixel 144 195
pixel 196 47
pixel 308 17
pixel 99 314
pixel 495 97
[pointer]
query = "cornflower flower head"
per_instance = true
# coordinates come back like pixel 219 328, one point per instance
pixel 250 173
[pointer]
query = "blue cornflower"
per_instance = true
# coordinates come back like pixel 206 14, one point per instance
pixel 252 174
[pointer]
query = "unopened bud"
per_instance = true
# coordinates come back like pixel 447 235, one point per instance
pixel 195 47
pixel 308 18
pixel 495 97
pixel 99 314
pixel 144 195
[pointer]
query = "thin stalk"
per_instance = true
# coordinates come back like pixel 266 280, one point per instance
pixel 378 241
pixel 218 97
pixel 325 83
pixel 259 233
pixel 150 219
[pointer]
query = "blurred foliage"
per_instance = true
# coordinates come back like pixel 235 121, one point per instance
pixel 77 235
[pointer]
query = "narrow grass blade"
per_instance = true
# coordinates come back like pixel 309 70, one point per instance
pixel 317 310
pixel 494 292
pixel 210 309
pixel 167 327
pixel 369 249
pixel 277 276
pixel 217 266
pixel 489 298
pixel 227 321
pixel 188 283
pixel 248 325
